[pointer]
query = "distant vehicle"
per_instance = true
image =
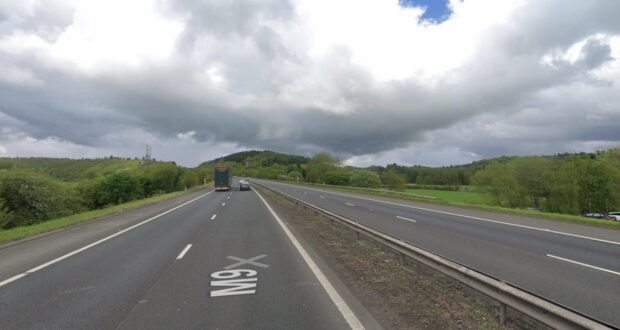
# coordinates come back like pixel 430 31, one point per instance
pixel 223 179
pixel 614 215
pixel 594 215
pixel 244 185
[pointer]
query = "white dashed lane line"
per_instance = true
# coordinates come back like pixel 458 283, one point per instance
pixel 407 219
pixel 184 251
pixel 583 264
pixel 213 217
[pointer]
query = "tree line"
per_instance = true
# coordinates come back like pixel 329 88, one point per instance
pixel 29 196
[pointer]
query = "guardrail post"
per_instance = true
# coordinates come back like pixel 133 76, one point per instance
pixel 357 235
pixel 402 259
pixel 502 313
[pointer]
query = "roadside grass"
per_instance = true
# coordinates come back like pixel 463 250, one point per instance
pixel 17 233
pixel 469 202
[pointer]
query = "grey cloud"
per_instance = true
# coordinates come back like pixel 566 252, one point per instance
pixel 262 74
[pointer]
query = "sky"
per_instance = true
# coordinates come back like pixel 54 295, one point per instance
pixel 374 82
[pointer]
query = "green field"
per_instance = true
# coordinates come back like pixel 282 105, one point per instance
pixel 464 197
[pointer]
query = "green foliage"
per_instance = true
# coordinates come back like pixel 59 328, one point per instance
pixel 28 198
pixel 117 188
pixel 319 166
pixel 569 185
pixel 394 180
pixel 337 176
pixel 365 179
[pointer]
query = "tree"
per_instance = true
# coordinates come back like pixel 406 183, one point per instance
pixel 319 165
pixel 394 180
pixel 365 179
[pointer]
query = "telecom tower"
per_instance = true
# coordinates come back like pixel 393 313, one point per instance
pixel 147 157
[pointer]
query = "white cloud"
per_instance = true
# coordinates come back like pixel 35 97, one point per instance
pixel 365 79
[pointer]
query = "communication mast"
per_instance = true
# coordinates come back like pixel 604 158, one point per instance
pixel 147 157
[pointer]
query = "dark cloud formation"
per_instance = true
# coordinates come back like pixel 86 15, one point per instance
pixel 242 74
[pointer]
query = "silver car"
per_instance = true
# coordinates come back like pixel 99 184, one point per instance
pixel 244 185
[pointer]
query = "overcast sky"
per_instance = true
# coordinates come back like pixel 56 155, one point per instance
pixel 374 81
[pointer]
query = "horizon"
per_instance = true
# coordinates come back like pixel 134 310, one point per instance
pixel 343 161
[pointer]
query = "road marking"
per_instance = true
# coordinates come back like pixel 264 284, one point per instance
pixel 342 306
pixel 350 204
pixel 224 204
pixel 251 261
pixel 582 264
pixel 403 218
pixel 475 218
pixel 234 286
pixel 228 197
pixel 180 256
pixel 213 217
pixel 51 262
pixel 322 196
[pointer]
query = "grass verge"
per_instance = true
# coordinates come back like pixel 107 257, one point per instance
pixel 17 233
pixel 479 207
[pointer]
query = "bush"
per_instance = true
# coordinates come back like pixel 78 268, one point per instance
pixel 337 177
pixel 394 180
pixel 28 198
pixel 115 189
pixel 365 179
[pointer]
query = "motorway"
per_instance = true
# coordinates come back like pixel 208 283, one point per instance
pixel 574 265
pixel 206 260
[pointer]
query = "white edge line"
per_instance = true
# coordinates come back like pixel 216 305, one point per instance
pixel 403 218
pixel 342 306
pixel 213 217
pixel 582 264
pixel 51 262
pixel 182 254
pixel 472 217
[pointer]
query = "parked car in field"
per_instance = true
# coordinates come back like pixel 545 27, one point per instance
pixel 244 185
pixel 614 215
pixel 595 215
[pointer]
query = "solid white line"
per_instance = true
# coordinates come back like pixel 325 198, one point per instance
pixel 403 218
pixel 213 217
pixel 180 256
pixel 14 278
pixel 51 262
pixel 350 204
pixel 342 306
pixel 582 264
pixel 474 218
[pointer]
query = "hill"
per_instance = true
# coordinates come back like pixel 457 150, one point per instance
pixel 66 169
pixel 259 158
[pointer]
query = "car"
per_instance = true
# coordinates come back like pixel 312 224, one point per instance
pixel 614 215
pixel 244 185
pixel 594 215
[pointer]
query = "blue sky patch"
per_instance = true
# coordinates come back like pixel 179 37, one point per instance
pixel 436 10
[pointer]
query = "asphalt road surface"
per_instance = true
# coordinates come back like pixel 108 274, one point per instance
pixel 207 260
pixel 574 265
